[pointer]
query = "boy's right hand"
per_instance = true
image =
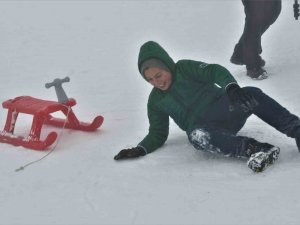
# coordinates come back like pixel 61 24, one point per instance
pixel 130 153
pixel 238 96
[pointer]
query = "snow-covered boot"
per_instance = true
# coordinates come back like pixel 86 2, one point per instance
pixel 261 155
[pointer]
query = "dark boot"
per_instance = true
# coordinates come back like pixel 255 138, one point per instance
pixel 257 73
pixel 262 62
pixel 261 155
pixel 237 59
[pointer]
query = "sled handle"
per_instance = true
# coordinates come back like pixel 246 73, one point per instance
pixel 57 83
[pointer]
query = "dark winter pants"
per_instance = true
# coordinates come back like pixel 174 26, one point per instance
pixel 216 132
pixel 260 14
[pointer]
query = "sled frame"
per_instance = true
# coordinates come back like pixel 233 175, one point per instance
pixel 41 110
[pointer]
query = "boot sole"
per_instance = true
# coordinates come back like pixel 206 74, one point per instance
pixel 259 161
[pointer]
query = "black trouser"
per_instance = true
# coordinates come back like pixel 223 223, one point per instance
pixel 216 132
pixel 260 14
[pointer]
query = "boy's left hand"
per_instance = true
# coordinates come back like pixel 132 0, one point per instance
pixel 130 153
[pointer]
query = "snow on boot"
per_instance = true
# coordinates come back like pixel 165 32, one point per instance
pixel 261 155
pixel 257 73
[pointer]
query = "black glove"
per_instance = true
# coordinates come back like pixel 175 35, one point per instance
pixel 130 153
pixel 238 96
pixel 296 10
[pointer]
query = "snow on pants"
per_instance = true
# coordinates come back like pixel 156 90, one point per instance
pixel 216 132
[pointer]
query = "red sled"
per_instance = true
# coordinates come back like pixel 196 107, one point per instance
pixel 41 110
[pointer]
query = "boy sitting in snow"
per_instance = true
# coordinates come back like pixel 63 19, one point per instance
pixel 205 101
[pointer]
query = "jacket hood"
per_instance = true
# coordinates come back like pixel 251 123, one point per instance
pixel 152 49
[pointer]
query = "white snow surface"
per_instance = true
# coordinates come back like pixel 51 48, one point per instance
pixel 96 44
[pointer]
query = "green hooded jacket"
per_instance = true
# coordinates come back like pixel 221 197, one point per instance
pixel 195 86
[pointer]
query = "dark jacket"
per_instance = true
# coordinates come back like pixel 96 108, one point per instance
pixel 195 86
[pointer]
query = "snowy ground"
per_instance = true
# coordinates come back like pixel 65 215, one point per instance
pixel 96 44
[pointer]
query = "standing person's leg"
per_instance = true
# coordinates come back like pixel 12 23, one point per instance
pixel 272 11
pixel 247 49
pixel 237 56
pixel 252 33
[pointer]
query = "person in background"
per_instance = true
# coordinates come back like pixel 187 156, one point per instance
pixel 206 102
pixel 260 14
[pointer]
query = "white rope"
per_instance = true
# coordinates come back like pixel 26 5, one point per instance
pixel 53 148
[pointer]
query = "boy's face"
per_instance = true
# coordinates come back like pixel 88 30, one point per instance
pixel 159 78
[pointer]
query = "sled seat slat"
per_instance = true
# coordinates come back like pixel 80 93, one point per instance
pixel 30 105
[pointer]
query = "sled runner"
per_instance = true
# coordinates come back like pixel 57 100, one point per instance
pixel 41 110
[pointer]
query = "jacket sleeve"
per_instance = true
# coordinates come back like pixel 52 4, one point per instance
pixel 208 73
pixel 158 127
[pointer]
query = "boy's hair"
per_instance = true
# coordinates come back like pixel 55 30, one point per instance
pixel 153 63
